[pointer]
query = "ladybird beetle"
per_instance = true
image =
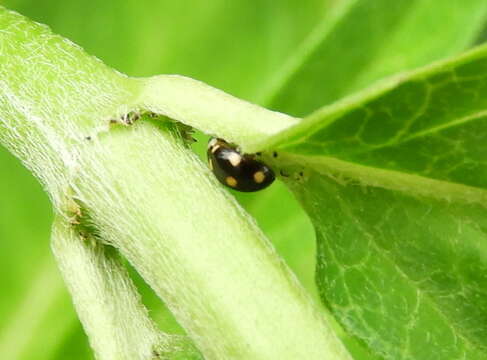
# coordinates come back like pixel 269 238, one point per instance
pixel 238 171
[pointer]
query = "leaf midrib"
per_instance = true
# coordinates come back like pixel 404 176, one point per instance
pixel 389 179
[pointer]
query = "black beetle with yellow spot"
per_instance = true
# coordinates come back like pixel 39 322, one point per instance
pixel 238 171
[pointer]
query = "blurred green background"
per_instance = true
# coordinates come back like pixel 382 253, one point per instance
pixel 235 45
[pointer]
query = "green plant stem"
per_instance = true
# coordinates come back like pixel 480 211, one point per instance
pixel 106 300
pixel 209 109
pixel 153 199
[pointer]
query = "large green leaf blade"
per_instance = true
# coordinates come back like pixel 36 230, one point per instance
pixel 406 274
pixel 324 77
pixel 393 179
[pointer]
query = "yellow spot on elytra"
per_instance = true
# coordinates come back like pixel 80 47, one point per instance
pixel 259 177
pixel 234 159
pixel 231 181
pixel 210 164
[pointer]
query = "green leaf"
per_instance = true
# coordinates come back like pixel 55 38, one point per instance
pixel 428 122
pixel 362 41
pixel 404 273
pixel 393 179
pixel 328 67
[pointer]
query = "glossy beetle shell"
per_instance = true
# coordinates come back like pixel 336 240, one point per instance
pixel 238 171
